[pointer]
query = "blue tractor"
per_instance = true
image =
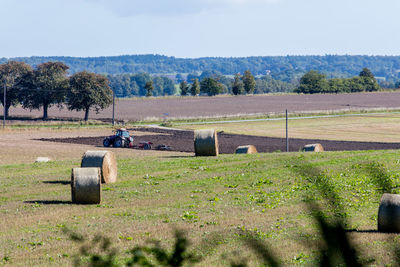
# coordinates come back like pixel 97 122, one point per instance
pixel 120 139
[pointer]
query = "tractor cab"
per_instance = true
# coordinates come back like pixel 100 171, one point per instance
pixel 122 132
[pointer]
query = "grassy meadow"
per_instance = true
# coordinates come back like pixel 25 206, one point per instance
pixel 215 200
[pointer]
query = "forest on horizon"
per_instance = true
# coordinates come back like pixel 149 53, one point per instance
pixel 128 74
pixel 283 68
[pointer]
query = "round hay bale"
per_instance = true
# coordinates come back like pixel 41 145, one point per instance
pixel 206 143
pixel 389 213
pixel 249 149
pixel 105 160
pixel 313 148
pixel 86 185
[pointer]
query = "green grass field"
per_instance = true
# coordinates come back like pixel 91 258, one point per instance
pixel 213 199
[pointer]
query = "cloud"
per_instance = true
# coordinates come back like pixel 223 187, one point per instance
pixel 173 7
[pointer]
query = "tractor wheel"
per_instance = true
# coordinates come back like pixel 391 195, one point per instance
pixel 118 142
pixel 126 143
pixel 106 142
pixel 147 147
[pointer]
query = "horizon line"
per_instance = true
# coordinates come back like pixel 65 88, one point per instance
pixel 205 57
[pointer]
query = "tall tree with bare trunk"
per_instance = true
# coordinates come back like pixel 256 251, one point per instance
pixel 45 87
pixel 89 90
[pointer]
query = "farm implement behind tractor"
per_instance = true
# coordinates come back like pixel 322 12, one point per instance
pixel 123 139
pixel 146 145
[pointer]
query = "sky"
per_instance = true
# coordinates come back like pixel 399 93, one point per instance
pixel 198 28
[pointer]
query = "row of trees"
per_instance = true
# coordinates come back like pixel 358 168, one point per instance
pixel 213 83
pixel 48 84
pixel 130 85
pixel 209 86
pixel 263 83
pixel 243 84
pixel 315 82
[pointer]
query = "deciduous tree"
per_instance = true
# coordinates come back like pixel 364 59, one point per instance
pixel 169 86
pixel 237 85
pixel 89 90
pixel 47 86
pixel 195 88
pixel 12 74
pixel 312 82
pixel 249 82
pixel 368 79
pixel 158 85
pixel 121 85
pixel 149 88
pixel 141 79
pixel 184 88
pixel 210 86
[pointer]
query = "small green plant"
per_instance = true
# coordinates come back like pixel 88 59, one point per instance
pixel 107 189
pixel 231 185
pixel 127 238
pixel 300 258
pixel 35 244
pixel 6 259
pixel 190 216
pixel 261 182
pixel 123 214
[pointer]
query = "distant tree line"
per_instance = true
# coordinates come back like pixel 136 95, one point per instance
pixel 209 82
pixel 314 82
pixel 283 68
pixel 130 85
pixel 48 84
pixel 213 83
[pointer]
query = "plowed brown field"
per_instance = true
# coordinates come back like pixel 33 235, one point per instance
pixel 190 107
pixel 182 141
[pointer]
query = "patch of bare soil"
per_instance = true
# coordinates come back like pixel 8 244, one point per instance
pixel 182 141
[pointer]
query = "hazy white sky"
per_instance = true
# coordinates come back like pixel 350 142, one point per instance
pixel 198 28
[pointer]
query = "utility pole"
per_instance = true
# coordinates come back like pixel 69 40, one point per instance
pixel 5 105
pixel 113 111
pixel 287 136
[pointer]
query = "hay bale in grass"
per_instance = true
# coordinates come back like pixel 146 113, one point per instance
pixel 105 160
pixel 86 185
pixel 389 213
pixel 249 149
pixel 206 143
pixel 313 148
